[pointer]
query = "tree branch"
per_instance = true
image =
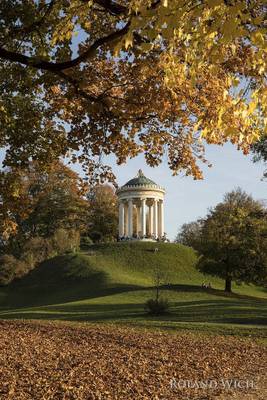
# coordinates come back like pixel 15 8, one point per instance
pixel 78 90
pixel 60 66
pixel 117 9
pixel 112 7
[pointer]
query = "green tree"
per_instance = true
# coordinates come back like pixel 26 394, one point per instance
pixel 103 213
pixel 189 233
pixel 47 211
pixel 37 202
pixel 233 240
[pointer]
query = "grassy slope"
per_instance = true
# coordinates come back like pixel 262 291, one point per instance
pixel 112 282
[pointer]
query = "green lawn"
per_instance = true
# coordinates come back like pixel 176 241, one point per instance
pixel 110 283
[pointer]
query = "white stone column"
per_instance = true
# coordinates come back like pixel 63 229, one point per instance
pixel 121 219
pixel 138 220
pixel 155 218
pixel 143 207
pixel 161 217
pixel 130 217
pixel 126 220
pixel 150 219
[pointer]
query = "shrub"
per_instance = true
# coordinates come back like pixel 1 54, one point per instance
pixel 74 240
pixel 21 269
pixel 86 241
pixel 96 236
pixel 36 250
pixel 11 268
pixel 66 240
pixel 157 306
pixel 7 269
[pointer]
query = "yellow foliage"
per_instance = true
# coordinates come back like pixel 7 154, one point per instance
pixel 148 77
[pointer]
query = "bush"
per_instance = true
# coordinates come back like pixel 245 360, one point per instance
pixel 7 269
pixel 157 307
pixel 11 268
pixel 21 269
pixel 86 241
pixel 36 250
pixel 96 236
pixel 66 241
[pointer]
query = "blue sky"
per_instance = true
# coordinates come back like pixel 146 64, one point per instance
pixel 186 199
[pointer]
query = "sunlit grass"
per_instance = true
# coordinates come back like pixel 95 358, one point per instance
pixel 110 283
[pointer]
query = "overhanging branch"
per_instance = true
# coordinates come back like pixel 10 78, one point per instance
pixel 112 7
pixel 60 66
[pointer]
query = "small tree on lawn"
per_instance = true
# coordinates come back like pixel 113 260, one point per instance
pixel 159 279
pixel 233 240
pixel 158 305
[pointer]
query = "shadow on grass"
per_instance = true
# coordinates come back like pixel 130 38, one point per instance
pixel 201 311
pixel 60 280
pixel 43 292
pixel 215 292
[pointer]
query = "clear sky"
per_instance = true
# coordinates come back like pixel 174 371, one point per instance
pixel 186 199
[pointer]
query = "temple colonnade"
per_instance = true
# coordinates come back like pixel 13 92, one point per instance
pixel 141 209
pixel 141 217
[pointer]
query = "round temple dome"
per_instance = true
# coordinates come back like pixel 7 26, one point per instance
pixel 140 180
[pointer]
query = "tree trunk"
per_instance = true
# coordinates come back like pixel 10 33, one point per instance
pixel 228 285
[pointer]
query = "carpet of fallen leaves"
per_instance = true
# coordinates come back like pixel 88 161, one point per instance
pixel 60 361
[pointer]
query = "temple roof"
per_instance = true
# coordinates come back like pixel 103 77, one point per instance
pixel 140 180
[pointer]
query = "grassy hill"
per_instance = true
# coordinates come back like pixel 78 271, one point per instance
pixel 111 283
